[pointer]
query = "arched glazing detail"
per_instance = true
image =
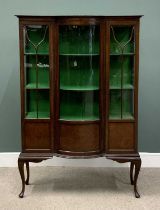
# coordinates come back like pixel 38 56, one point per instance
pixel 122 52
pixel 36 66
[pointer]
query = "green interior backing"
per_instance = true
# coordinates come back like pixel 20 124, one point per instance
pixel 115 72
pixel 122 34
pixel 36 35
pixel 79 105
pixel 79 73
pixel 43 71
pixel 79 39
pixel 43 110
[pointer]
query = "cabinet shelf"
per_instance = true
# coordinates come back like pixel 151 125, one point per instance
pixel 33 53
pixel 41 115
pixel 122 54
pixel 79 88
pixel 124 87
pixel 76 118
pixel 125 116
pixel 81 54
pixel 40 86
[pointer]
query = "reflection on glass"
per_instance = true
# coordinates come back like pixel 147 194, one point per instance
pixel 79 72
pixel 36 65
pixel 79 40
pixel 122 48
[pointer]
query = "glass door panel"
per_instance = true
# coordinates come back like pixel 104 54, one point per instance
pixel 116 76
pixel 79 40
pixel 122 52
pixel 36 39
pixel 128 108
pixel 37 71
pixel 79 72
pixel 79 106
pixel 122 40
pixel 115 104
pixel 37 104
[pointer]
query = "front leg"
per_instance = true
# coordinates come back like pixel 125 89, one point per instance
pixel 21 171
pixel 27 169
pixel 131 172
pixel 137 164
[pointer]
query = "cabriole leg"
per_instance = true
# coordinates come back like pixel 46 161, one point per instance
pixel 131 172
pixel 21 171
pixel 27 168
pixel 137 164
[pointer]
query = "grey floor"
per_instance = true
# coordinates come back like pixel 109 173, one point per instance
pixel 61 188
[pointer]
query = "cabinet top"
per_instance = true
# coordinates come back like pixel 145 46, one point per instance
pixel 80 16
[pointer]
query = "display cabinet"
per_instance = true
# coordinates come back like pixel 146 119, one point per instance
pixel 79 89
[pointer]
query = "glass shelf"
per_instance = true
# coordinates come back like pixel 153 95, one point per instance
pixel 79 88
pixel 40 86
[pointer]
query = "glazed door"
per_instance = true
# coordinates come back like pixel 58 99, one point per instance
pixel 122 86
pixel 35 86
pixel 79 117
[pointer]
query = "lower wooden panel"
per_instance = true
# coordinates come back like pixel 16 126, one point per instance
pixel 121 137
pixel 79 138
pixel 36 136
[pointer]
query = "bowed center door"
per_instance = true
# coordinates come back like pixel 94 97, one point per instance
pixel 78 87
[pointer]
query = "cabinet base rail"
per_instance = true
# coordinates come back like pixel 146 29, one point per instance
pixel 25 158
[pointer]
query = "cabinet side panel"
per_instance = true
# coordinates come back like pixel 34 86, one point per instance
pixel 121 137
pixel 37 136
pixel 79 138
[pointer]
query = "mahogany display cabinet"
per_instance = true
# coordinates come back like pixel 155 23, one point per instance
pixel 79 89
